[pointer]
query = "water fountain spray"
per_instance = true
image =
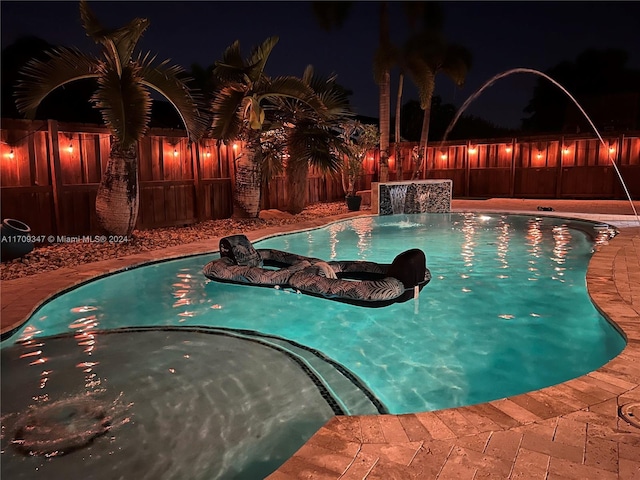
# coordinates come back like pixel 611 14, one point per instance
pixel 493 79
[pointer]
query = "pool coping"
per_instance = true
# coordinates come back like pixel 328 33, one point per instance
pixel 571 430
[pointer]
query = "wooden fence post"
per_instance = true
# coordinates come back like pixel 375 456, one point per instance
pixel 56 173
pixel 197 185
pixel 467 174
pixel 512 176
pixel 559 172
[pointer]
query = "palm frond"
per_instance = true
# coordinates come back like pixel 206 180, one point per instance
pixel 423 76
pixel 228 112
pixel 385 57
pixel 127 37
pixel 124 103
pixel 273 152
pixel 90 23
pixel 308 74
pixel 39 78
pixel 232 56
pixel 292 87
pixel 457 63
pixel 121 42
pixel 259 58
pixel 165 79
pixel 232 67
pixel 316 146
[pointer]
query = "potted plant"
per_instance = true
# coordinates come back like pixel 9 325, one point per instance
pixel 358 139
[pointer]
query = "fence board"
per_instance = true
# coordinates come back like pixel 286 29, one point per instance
pixel 31 205
pixel 535 182
pixel 587 182
pixel 489 182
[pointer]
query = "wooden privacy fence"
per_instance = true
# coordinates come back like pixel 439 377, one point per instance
pixel 533 167
pixel 49 176
pixel 49 173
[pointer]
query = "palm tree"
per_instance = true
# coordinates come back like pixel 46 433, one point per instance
pixel 124 101
pixel 383 62
pixel 240 110
pixel 358 139
pixel 330 14
pixel 425 55
pixel 310 136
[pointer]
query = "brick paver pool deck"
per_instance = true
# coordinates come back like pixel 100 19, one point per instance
pixel 568 431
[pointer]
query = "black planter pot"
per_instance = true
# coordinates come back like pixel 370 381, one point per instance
pixel 353 202
pixel 16 239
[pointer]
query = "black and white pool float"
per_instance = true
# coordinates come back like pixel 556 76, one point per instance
pixel 357 282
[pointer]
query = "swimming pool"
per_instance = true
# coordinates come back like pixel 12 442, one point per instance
pixel 506 311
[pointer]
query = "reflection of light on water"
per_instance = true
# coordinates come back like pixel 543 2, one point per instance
pixel 28 333
pixel 363 228
pixel 562 239
pixel 183 289
pixel 84 309
pixel 468 245
pixel 86 337
pixel 503 245
pixel 534 241
pixel 334 229
pixel 605 233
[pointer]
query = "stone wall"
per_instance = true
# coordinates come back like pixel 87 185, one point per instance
pixel 419 196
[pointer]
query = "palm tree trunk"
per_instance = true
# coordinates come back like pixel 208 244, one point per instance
pixel 296 174
pixel 422 150
pixel 385 98
pixel 246 195
pixel 399 173
pixel 385 125
pixel 118 194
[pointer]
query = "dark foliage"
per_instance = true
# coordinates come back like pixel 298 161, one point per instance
pixel 69 103
pixel 600 81
pixel 442 114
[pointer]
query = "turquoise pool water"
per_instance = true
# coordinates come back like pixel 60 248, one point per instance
pixel 204 380
pixel 506 311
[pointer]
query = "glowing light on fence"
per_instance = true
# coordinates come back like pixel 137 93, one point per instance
pixel 235 146
pixel 472 150
pixel 175 152
pixel 507 149
pixel 565 151
pixel 11 154
pixel 612 149
pixel 539 155
pixel 443 156
pixel 70 148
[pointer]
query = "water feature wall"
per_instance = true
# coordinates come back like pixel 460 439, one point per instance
pixel 411 196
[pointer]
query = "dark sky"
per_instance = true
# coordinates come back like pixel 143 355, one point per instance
pixel 501 36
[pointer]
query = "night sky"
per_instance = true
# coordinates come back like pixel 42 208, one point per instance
pixel 501 36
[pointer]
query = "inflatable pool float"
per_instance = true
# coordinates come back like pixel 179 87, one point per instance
pixel 357 282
